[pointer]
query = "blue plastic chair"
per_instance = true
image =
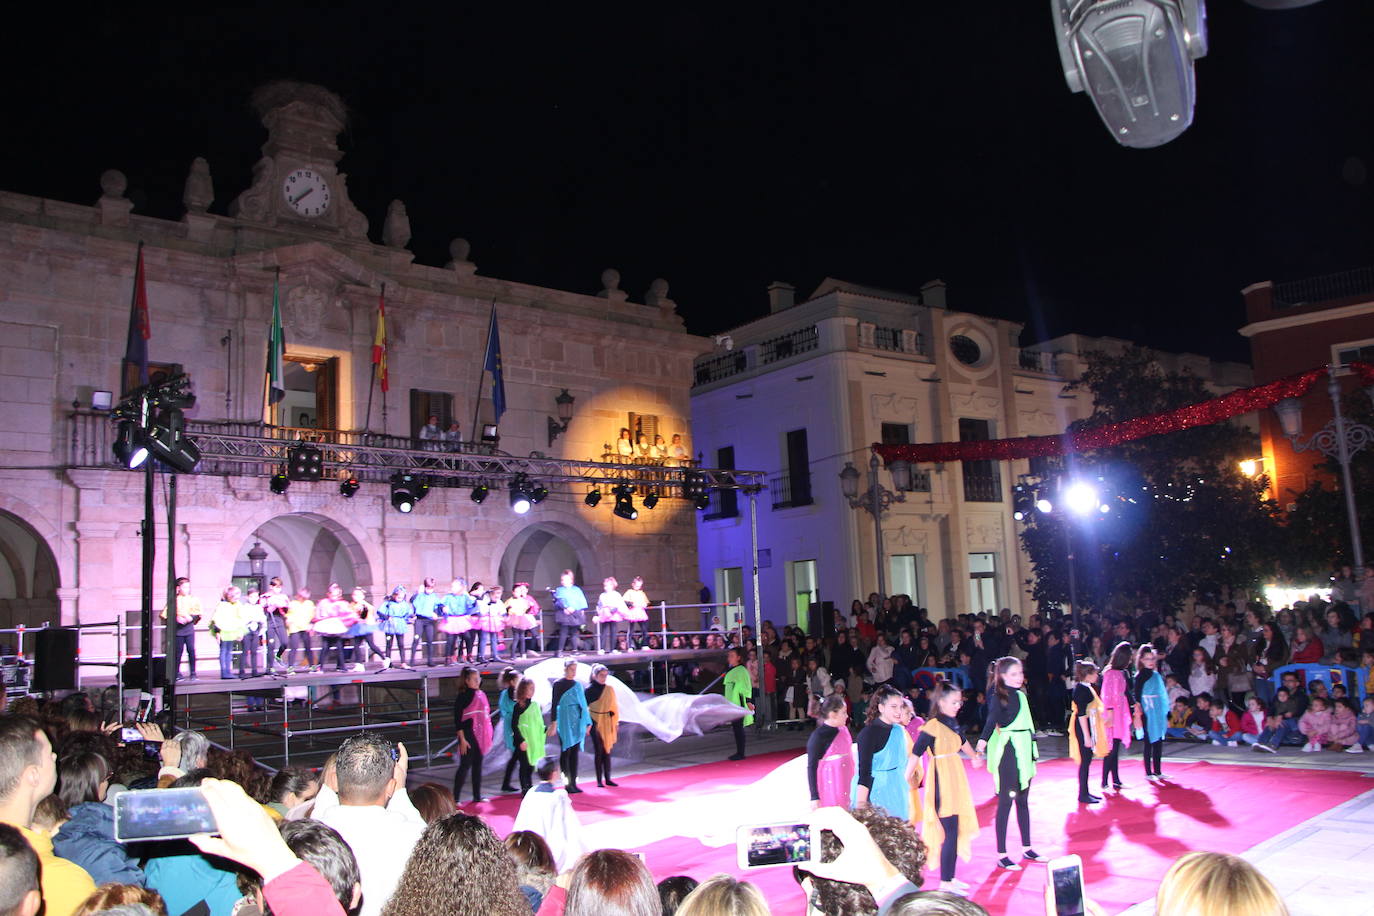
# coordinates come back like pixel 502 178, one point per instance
pixel 956 676
pixel 1354 679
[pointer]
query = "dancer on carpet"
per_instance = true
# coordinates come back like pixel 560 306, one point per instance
pixel 1153 697
pixel 605 723
pixel 547 810
pixel 1009 745
pixel 739 689
pixel 830 756
pixel 948 819
pixel 1117 703
pixel 572 720
pixel 637 611
pixel 885 761
pixel 522 616
pixel 472 722
pixel 526 727
pixel 1087 731
pixel 505 708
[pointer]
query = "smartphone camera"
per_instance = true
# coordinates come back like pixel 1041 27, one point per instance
pixel 767 845
pixel 130 735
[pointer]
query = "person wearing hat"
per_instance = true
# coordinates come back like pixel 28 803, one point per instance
pixel 605 722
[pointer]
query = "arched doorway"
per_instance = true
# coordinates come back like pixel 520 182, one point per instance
pixel 540 553
pixel 28 577
pixel 307 550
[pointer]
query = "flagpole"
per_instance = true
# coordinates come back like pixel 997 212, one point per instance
pixel 371 386
pixel 481 373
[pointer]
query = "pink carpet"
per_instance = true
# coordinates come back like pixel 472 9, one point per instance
pixel 1126 843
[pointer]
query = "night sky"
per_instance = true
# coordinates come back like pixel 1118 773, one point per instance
pixel 723 147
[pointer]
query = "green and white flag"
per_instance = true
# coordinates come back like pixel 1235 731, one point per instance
pixel 276 348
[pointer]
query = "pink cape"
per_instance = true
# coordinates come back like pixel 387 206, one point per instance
pixel 836 770
pixel 479 711
pixel 1117 712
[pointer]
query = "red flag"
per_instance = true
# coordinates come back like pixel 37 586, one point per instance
pixel 379 342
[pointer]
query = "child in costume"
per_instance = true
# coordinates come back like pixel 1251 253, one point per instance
pixel 830 756
pixel 1117 704
pixel 885 761
pixel 1087 730
pixel 1153 697
pixel 526 725
pixel 1009 745
pixel 571 722
pixel 605 723
pixel 739 689
pixel 472 722
pixel 948 819
pixel 547 810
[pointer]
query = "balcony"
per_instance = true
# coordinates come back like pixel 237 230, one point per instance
pixel 892 340
pixel 1349 284
pixel 1035 361
pixel 789 345
pixel 790 490
pixel 716 368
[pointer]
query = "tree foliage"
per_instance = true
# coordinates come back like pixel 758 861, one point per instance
pixel 1182 516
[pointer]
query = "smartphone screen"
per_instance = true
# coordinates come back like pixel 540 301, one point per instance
pixel 162 814
pixel 1068 890
pixel 773 844
pixel 129 735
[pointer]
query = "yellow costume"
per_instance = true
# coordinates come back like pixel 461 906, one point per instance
pixel 946 778
pixel 1102 745
pixel 606 718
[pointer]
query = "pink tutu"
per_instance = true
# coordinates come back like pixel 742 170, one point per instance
pixel 455 625
pixel 636 614
pixel 521 621
pixel 488 623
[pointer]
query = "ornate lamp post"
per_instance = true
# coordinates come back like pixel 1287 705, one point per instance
pixel 1340 439
pixel 257 563
pixel 876 500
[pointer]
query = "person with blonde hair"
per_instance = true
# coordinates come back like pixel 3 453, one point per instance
pixel 722 895
pixel 1219 885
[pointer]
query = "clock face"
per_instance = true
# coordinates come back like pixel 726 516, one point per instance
pixel 306 192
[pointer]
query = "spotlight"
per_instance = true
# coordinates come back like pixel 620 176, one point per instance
pixel 167 442
pixel 624 503
pixel 479 493
pixel 1044 505
pixel 702 501
pixel 539 494
pixel 1019 516
pixel 128 447
pixel 304 462
pixel 1104 508
pixel 592 498
pixel 520 500
pixel 1081 497
pixel 1022 501
pixel 348 487
pixel 651 500
pixel 406 491
pixel 279 483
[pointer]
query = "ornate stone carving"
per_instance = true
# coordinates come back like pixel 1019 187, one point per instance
pixel 396 229
pixel 915 540
pixel 304 309
pixel 199 192
pixel 894 407
pixel 1036 421
pixel 973 402
pixel 113 184
pixel 254 203
pixel 982 531
pixel 658 293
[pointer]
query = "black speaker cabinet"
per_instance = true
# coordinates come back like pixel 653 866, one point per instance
pixel 54 659
pixel 136 674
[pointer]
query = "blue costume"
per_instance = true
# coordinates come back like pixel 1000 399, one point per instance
pixel 570 606
pixel 882 768
pixel 572 716
pixel 1154 703
pixel 428 608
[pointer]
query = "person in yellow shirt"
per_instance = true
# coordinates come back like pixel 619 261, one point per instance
pixel 188 615
pixel 300 613
pixel 28 774
pixel 19 893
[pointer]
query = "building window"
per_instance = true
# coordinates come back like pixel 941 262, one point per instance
pixel 982 479
pixel 729 590
pixel 793 488
pixel 982 583
pixel 643 431
pixel 896 434
pixel 904 576
pixel 965 349
pixel 426 404
pixel 312 393
pixel 805 592
pixel 1360 351
pixel 724 503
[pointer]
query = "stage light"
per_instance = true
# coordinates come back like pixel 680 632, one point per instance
pixel 348 487
pixel 129 448
pixel 167 442
pixel 479 493
pixel 1022 501
pixel 1104 508
pixel 520 501
pixel 702 501
pixel 624 503
pixel 539 494
pixel 304 462
pixel 279 483
pixel 406 491
pixel 1081 497
pixel 1019 516
pixel 651 500
pixel 1044 505
pixel 592 498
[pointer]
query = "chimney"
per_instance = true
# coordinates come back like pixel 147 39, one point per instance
pixel 781 296
pixel 933 294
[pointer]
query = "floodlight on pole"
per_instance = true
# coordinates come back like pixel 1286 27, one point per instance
pixel 1081 497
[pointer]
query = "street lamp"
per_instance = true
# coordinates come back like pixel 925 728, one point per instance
pixel 1340 439
pixel 257 563
pixel 875 500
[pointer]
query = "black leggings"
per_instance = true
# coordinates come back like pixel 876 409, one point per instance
pixel 515 758
pixel 369 640
pixel 396 641
pixel 337 644
pixel 424 633
pixel 1153 752
pixel 1111 764
pixel 567 762
pixel 737 727
pixel 471 761
pixel 1085 764
pixel 601 758
pixel 1009 779
pixel 300 640
pixel 526 771
pixel 949 849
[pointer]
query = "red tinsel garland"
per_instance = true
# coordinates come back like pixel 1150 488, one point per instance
pixel 1202 413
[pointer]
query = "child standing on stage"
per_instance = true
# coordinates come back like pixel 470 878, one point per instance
pixel 526 725
pixel 226 624
pixel 1009 744
pixel 571 722
pixel 505 708
pixel 1153 697
pixel 254 628
pixel 637 610
pixel 605 722
pixel 948 819
pixel 1116 712
pixel 610 610
pixel 300 617
pixel 456 622
pixel 491 620
pixel 885 762
pixel 333 618
pixel 472 722
pixel 394 616
pixel 829 756
pixel 1087 731
pixel 522 616
pixel 274 605
pixel 364 632
pixel 428 606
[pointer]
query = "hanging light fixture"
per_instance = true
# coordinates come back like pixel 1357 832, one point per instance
pixel 625 503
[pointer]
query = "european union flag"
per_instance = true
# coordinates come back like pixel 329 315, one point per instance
pixel 493 365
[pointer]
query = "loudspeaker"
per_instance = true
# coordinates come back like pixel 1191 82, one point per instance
pixel 826 618
pixel 136 674
pixel 54 659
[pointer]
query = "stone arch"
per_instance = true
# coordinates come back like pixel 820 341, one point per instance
pixel 29 574
pixel 312 548
pixel 527 546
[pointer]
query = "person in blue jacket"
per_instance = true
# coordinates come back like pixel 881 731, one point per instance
pixel 570 607
pixel 572 719
pixel 428 609
pixel 395 615
pixel 88 838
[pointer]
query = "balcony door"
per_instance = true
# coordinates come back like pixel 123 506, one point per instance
pixel 312 394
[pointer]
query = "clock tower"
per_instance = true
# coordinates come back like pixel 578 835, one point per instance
pixel 296 183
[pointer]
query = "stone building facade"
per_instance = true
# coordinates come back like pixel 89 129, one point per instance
pixel 69 519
